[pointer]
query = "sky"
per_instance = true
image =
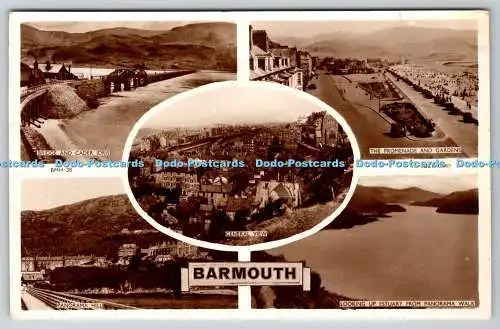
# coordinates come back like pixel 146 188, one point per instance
pixel 318 28
pixel 232 105
pixel 439 184
pixel 41 194
pixel 80 27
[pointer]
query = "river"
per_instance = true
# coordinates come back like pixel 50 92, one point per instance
pixel 417 255
pixel 107 127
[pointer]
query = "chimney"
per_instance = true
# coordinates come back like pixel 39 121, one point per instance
pixel 69 68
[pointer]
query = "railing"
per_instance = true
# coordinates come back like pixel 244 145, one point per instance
pixel 65 301
pixel 30 90
pixel 31 96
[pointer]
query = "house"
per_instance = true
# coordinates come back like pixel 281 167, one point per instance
pixel 271 191
pixel 31 76
pixel 272 62
pixel 217 194
pixel 26 74
pixel 160 259
pixel 31 276
pixel 126 252
pixel 57 71
pixel 235 204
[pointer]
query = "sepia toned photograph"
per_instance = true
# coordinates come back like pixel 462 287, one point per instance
pixel 250 164
pixel 87 249
pixel 84 84
pixel 402 242
pixel 408 89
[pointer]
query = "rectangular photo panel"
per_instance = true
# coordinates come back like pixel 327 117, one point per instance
pixel 87 249
pixel 403 242
pixel 408 86
pixel 84 84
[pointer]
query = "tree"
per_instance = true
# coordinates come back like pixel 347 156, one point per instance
pixel 315 284
pixel 135 262
pixel 220 222
pixel 140 66
pixel 48 66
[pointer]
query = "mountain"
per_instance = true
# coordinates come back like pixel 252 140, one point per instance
pixel 372 198
pixel 368 204
pixel 192 46
pixel 463 202
pixel 88 227
pixel 416 43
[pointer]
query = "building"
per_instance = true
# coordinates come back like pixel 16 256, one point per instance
pixel 31 276
pixel 55 71
pixel 186 250
pixel 27 264
pixel 271 191
pixel 128 250
pixel 322 129
pixel 305 63
pixel 165 248
pixel 272 62
pixel 26 74
pixel 170 249
pixel 178 178
pixel 38 263
pixel 163 141
pixel 217 193
pixel 31 76
pixel 146 145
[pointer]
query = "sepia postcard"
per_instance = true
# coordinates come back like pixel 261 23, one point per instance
pixel 240 165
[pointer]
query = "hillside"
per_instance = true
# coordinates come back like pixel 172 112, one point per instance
pixel 293 297
pixel 88 227
pixel 415 43
pixel 463 202
pixel 192 46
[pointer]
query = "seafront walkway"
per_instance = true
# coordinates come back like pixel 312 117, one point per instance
pixel 464 134
pixel 33 303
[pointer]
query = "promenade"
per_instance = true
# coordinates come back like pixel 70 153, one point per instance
pixel 370 128
pixel 463 134
pixel 33 303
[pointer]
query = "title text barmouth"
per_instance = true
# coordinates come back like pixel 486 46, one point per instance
pixel 244 273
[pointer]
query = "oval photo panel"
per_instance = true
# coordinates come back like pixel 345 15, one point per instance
pixel 241 164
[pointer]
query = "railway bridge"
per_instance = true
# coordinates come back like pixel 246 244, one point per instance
pixel 126 79
pixel 32 105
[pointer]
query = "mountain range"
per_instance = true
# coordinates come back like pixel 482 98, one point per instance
pixel 408 42
pixel 378 199
pixel 91 226
pixel 193 46
pixel 368 204
pixel 462 202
